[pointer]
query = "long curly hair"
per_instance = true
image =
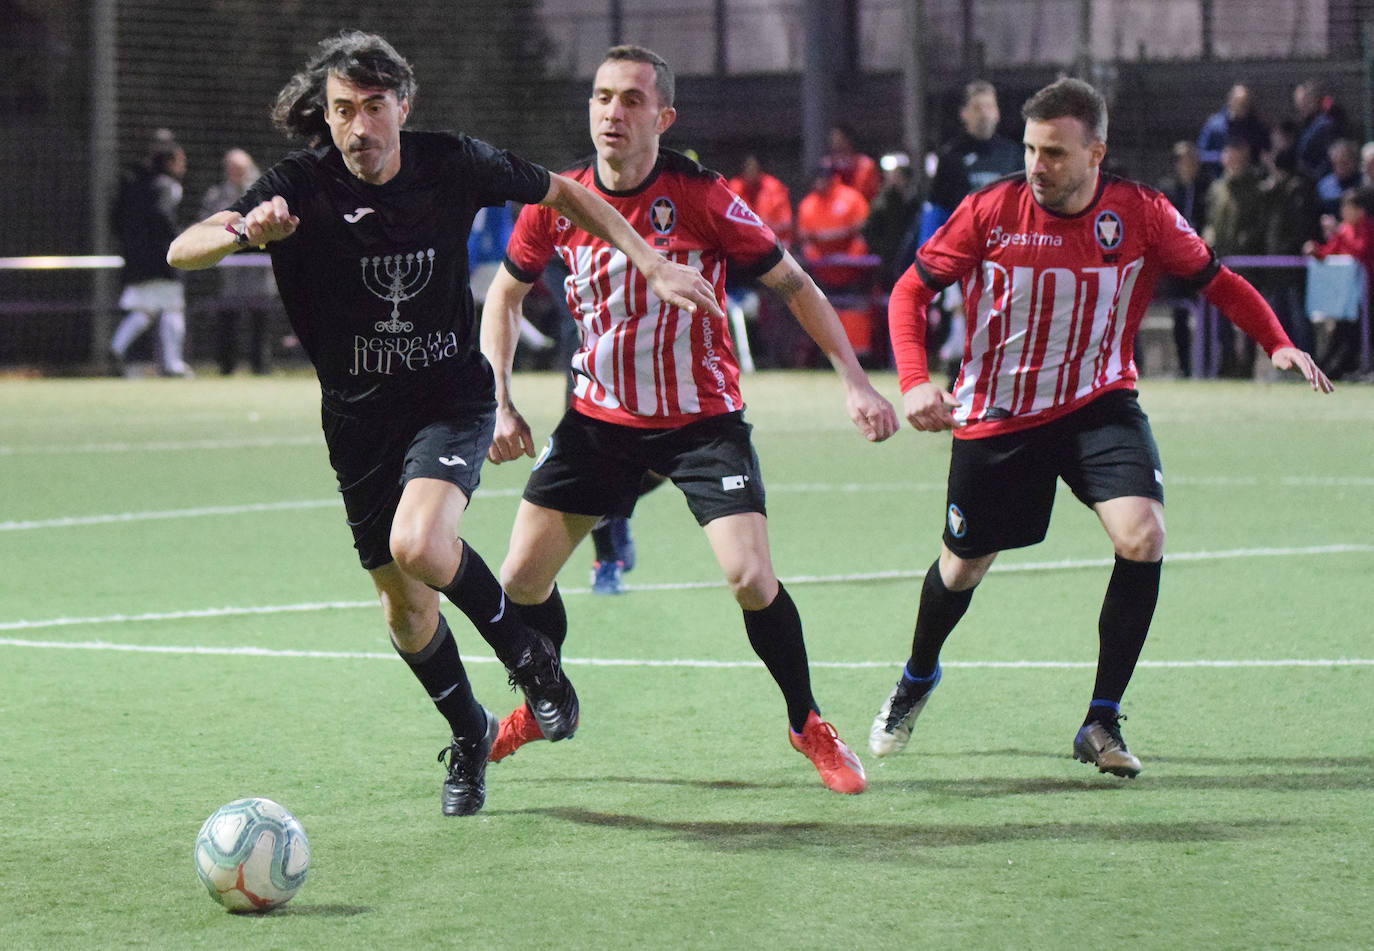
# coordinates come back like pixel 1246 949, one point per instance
pixel 364 59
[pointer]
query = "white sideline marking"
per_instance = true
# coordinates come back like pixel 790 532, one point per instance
pixel 1063 565
pixel 258 442
pixel 69 521
pixel 248 508
pixel 675 662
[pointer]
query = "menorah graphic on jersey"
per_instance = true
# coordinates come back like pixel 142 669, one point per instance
pixel 397 277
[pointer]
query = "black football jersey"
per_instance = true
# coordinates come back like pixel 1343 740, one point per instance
pixel 375 279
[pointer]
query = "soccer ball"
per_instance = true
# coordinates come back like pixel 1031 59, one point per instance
pixel 252 855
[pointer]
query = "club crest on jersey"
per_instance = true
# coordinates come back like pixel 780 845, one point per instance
pixel 662 215
pixel 1107 230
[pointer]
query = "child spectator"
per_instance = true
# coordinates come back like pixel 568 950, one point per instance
pixel 1354 235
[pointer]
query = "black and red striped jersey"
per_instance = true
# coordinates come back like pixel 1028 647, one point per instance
pixel 1052 302
pixel 643 362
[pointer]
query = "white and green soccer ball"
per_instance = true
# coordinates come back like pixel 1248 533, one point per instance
pixel 252 855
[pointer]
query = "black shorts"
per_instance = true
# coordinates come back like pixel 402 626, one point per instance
pixel 1001 489
pixel 590 467
pixel 373 459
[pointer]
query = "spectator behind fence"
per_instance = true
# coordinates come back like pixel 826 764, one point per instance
pixel 892 216
pixel 1186 190
pixel 1293 220
pixel 1344 159
pixel 145 222
pixel 1318 127
pixel 1236 118
pixel 854 168
pixel 760 317
pixel 246 294
pixel 976 157
pixel 766 195
pixel 1367 164
pixel 1353 235
pixel 1236 223
pixel 830 220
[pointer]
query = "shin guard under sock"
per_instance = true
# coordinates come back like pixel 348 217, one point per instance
pixel 440 671
pixel 775 633
pixel 940 610
pixel 1127 610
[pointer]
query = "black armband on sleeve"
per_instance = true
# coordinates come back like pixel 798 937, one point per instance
pixel 521 275
pixel 928 280
pixel 1201 279
pixel 756 269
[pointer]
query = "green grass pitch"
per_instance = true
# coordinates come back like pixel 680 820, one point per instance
pixel 183 622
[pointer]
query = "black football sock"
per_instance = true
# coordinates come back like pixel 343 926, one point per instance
pixel 475 591
pixel 602 542
pixel 775 633
pixel 548 618
pixel 1127 610
pixel 939 611
pixel 440 671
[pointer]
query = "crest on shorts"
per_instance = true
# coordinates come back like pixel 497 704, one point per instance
pixel 663 215
pixel 543 454
pixel 957 525
pixel 1107 230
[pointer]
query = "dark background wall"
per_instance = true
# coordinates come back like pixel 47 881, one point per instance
pixel 209 70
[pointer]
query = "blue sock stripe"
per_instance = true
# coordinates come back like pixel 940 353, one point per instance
pixel 1111 705
pixel 908 676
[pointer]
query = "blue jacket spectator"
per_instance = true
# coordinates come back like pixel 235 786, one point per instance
pixel 1236 119
pixel 1319 128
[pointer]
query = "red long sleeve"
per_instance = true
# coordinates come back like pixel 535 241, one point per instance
pixel 906 324
pixel 1241 304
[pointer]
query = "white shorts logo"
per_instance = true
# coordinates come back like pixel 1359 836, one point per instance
pixel 731 483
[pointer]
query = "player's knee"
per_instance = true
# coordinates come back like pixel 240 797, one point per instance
pixel 419 554
pixel 524 584
pixel 1143 540
pixel 753 586
pixel 961 574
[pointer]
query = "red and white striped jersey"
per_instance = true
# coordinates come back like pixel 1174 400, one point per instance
pixel 643 362
pixel 1052 302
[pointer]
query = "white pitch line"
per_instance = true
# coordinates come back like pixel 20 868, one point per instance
pixel 71 521
pixel 857 577
pixel 248 508
pixel 678 662
pixel 257 442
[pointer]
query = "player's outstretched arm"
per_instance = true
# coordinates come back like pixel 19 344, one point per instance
pixel 207 242
pixel 500 332
pixel 1247 309
pixel 678 284
pixel 871 414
